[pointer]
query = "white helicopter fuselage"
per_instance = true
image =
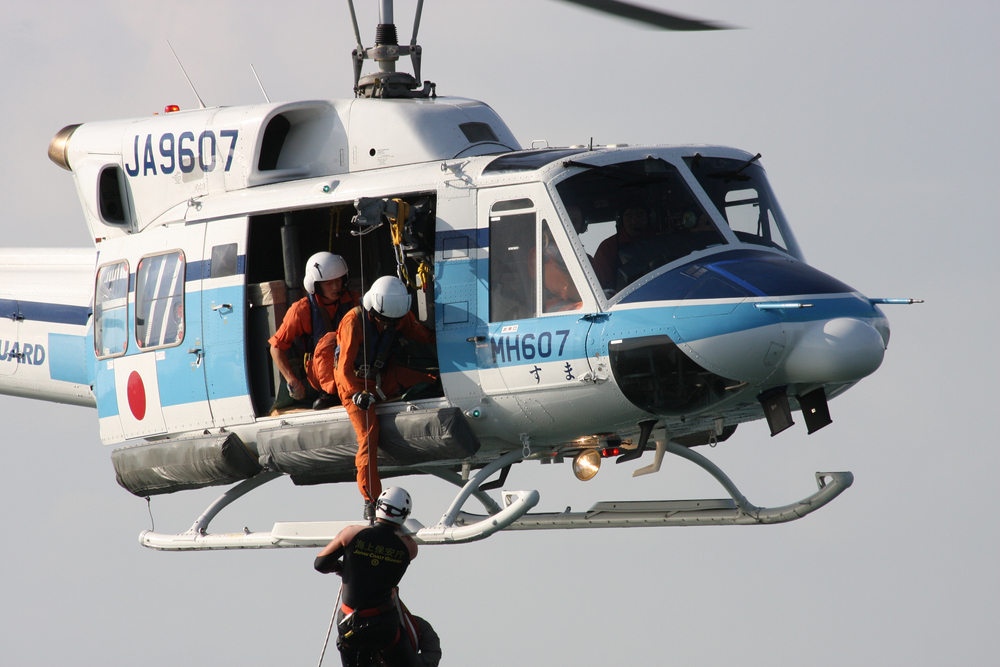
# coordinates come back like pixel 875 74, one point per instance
pixel 163 326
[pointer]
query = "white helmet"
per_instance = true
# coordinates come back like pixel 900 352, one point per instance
pixel 321 267
pixel 393 505
pixel 388 297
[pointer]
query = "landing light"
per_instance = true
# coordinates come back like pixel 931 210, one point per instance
pixel 586 464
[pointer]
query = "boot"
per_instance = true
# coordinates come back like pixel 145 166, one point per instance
pixel 325 401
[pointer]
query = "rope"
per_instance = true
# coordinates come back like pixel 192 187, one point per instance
pixel 329 630
pixel 364 346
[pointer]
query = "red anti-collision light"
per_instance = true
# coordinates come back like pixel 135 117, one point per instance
pixel 170 108
pixel 610 451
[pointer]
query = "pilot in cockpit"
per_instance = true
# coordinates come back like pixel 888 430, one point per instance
pixel 634 226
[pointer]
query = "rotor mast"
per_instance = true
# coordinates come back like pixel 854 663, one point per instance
pixel 387 82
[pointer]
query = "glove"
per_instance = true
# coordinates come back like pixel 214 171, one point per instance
pixel 297 390
pixel 363 400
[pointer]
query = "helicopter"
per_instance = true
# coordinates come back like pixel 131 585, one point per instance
pixel 707 318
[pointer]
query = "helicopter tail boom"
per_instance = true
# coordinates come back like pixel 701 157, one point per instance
pixel 45 314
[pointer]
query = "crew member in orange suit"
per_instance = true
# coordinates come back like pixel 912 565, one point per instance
pixel 357 363
pixel 309 319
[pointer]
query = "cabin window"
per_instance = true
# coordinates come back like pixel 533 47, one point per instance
pixel 512 205
pixel 224 261
pixel 159 300
pixel 512 267
pixel 111 310
pixel 559 293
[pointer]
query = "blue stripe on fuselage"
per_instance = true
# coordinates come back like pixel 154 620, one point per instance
pixel 56 313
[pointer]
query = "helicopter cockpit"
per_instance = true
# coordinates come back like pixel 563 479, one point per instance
pixel 636 216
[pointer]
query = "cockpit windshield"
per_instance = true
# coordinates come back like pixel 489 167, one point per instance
pixel 634 217
pixel 739 189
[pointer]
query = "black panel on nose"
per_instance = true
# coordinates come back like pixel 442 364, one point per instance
pixel 659 378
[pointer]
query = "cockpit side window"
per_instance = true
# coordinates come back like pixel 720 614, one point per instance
pixel 740 191
pixel 634 217
pixel 512 266
pixel 559 292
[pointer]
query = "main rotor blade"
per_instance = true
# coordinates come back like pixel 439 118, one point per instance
pixel 648 16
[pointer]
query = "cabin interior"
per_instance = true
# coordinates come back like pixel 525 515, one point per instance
pixel 280 243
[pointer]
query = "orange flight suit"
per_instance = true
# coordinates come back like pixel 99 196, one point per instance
pixel 298 323
pixel 339 376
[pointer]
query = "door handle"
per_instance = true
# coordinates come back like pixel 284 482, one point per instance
pixel 198 351
pixel 223 306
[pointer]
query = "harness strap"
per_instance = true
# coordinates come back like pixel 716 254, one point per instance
pixel 373 611
pixel 379 353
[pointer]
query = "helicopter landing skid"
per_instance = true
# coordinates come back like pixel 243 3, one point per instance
pixel 735 510
pixel 457 527
pixel 454 527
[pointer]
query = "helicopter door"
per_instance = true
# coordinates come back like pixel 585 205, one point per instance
pixel 223 299
pixel 152 380
pixel 537 336
pixel 461 331
pixel 8 336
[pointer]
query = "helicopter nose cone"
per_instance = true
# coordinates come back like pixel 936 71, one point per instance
pixel 838 350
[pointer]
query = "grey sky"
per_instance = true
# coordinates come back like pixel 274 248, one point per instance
pixel 878 125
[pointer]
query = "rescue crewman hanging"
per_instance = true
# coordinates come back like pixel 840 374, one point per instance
pixel 309 319
pixel 356 362
pixel 370 618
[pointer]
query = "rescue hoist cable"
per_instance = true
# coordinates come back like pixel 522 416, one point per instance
pixel 364 347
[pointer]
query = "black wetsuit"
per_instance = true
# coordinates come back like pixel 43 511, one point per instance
pixel 368 620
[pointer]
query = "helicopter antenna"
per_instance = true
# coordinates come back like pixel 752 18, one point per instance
pixel 201 105
pixel 266 98
pixel 357 32
pixel 416 27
